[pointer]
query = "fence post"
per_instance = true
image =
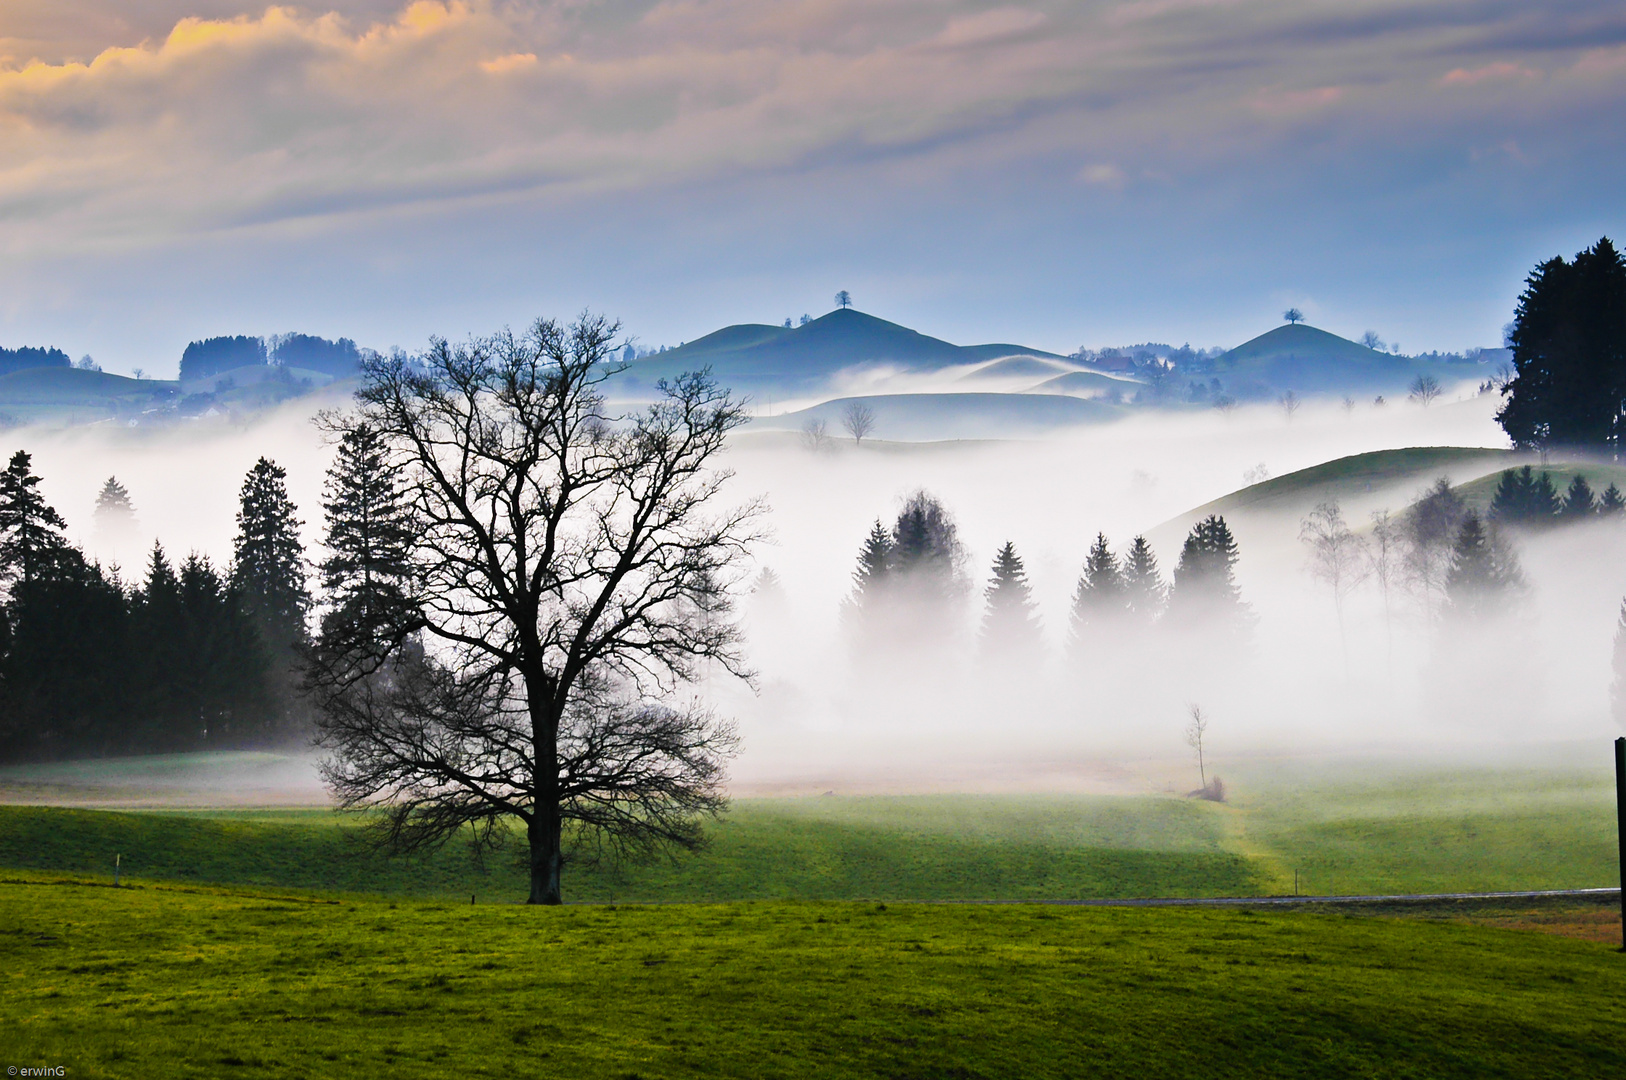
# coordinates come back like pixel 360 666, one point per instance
pixel 1620 829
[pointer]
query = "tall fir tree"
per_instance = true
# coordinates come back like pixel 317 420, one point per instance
pixel 1578 502
pixel 1101 599
pixel 874 570
pixel 30 530
pixel 1484 578
pixel 1524 498
pixel 1010 621
pixel 268 561
pixel 926 549
pixel 1611 502
pixel 1144 590
pixel 1205 591
pixel 367 576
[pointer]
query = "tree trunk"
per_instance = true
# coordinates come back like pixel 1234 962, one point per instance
pixel 544 835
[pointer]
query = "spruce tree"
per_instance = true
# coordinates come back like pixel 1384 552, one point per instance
pixel 1543 500
pixel 874 569
pixel 1010 623
pixel 926 549
pixel 1484 575
pixel 268 565
pixel 1101 599
pixel 1579 501
pixel 1611 501
pixel 1144 591
pixel 1205 590
pixel 113 502
pixel 367 575
pixel 30 530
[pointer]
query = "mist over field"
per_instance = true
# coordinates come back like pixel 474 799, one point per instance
pixel 827 714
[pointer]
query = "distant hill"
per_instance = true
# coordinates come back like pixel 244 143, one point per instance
pixel 67 394
pixel 954 416
pixel 757 357
pixel 1311 361
pixel 26 358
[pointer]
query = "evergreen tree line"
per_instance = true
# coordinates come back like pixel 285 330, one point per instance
pixel 1525 498
pixel 909 588
pixel 187 657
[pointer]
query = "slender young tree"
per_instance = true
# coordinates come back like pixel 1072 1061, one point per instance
pixel 1387 554
pixel 571 574
pixel 1010 621
pixel 30 530
pixel 1338 559
pixel 1430 525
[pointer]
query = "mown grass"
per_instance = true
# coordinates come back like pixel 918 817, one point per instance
pixel 140 982
pixel 924 848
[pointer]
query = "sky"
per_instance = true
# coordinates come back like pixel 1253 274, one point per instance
pixel 1053 174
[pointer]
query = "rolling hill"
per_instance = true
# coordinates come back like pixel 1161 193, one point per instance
pixel 1311 361
pixel 755 357
pixel 954 416
pixel 54 393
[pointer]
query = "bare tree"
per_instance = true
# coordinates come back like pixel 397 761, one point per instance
pixel 844 299
pixel 1387 554
pixel 859 420
pixel 815 435
pixel 1290 403
pixel 571 575
pixel 1371 340
pixel 1293 315
pixel 1196 736
pixel 1338 558
pixel 1424 389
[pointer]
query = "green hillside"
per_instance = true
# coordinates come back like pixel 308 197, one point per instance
pixel 956 416
pixel 1311 361
pixel 754 356
pixel 52 394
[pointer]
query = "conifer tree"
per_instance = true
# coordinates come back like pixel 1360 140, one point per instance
pixel 268 566
pixel 1101 599
pixel 30 530
pixel 1205 590
pixel 367 575
pixel 1578 502
pixel 926 549
pixel 1010 623
pixel 1522 497
pixel 1144 591
pixel 1484 575
pixel 113 502
pixel 874 568
pixel 1611 501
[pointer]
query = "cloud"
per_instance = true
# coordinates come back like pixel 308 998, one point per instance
pixel 284 115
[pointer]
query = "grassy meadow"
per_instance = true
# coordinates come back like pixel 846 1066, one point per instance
pixel 201 982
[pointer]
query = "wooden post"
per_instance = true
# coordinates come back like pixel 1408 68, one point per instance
pixel 116 860
pixel 1620 829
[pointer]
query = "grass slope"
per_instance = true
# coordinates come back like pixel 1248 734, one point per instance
pixel 956 416
pixel 1309 360
pixel 139 982
pixel 927 848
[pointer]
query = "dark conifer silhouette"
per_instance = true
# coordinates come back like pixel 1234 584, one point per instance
pixel 1144 590
pixel 1611 501
pixel 268 560
pixel 30 530
pixel 1484 578
pixel 1010 622
pixel 1578 502
pixel 1205 592
pixel 1101 599
pixel 1523 498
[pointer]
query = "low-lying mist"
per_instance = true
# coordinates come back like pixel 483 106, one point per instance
pixel 828 714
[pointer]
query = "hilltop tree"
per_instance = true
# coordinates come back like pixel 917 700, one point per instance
pixel 1338 558
pixel 30 530
pixel 1293 315
pixel 1101 599
pixel 1010 622
pixel 571 574
pixel 1569 353
pixel 1205 592
pixel 1144 591
pixel 844 299
pixel 1578 501
pixel 1484 575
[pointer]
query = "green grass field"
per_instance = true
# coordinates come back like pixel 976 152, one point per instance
pixel 150 981
pixel 1350 829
